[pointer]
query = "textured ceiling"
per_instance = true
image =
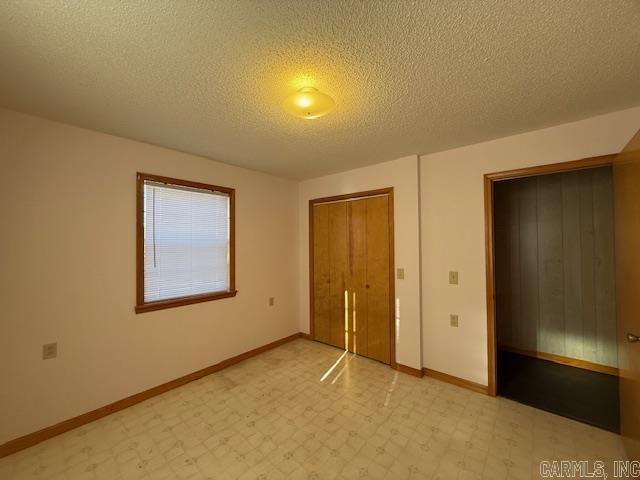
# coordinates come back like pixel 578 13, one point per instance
pixel 209 77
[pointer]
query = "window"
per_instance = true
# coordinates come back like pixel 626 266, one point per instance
pixel 185 235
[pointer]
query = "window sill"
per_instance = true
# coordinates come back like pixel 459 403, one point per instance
pixel 179 302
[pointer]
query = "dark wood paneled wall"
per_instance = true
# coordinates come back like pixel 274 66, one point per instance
pixel 555 289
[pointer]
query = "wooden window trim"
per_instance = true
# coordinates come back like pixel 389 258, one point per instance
pixel 141 305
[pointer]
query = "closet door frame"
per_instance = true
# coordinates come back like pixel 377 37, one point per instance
pixel 490 179
pixel 392 285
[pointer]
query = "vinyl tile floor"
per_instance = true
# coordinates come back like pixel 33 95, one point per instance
pixel 309 411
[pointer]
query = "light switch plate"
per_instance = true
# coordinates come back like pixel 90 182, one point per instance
pixel 49 350
pixel 400 274
pixel 453 278
pixel 453 320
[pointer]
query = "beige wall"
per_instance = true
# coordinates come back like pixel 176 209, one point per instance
pixel 402 174
pixel 67 245
pixel 452 217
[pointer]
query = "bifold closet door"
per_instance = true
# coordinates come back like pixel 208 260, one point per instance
pixel 359 340
pixel 331 270
pixel 321 274
pixel 351 276
pixel 378 271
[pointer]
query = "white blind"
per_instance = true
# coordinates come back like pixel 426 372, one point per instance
pixel 186 241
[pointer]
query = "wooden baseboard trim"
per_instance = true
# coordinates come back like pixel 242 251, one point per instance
pixel 416 372
pixel 460 382
pixel 571 362
pixel 26 441
pixel 307 336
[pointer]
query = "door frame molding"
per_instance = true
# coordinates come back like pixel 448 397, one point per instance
pixel 490 179
pixel 392 285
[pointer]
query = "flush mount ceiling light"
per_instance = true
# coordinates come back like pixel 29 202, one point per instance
pixel 308 103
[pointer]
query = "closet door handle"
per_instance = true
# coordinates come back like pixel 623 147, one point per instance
pixel 631 338
pixel 366 286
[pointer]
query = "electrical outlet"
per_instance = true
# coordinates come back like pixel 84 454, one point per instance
pixel 272 301
pixel 49 350
pixel 400 274
pixel 453 320
pixel 453 278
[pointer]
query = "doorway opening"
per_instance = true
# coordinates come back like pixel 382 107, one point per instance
pixel 351 265
pixel 551 289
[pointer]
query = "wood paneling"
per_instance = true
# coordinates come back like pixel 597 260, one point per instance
pixel 34 438
pixel 554 265
pixel 587 269
pixel 491 180
pixel 504 304
pixel 603 223
pixel 515 298
pixel 572 263
pixel 550 265
pixel 529 275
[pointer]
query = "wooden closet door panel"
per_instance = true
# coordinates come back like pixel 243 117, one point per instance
pixel 358 277
pixel 321 274
pixel 338 271
pixel 378 272
pixel 626 178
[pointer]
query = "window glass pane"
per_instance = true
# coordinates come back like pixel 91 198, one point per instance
pixel 186 242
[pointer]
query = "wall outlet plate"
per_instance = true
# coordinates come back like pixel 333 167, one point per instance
pixel 272 301
pixel 453 320
pixel 453 278
pixel 49 350
pixel 400 274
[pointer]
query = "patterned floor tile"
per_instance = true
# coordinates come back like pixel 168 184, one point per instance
pixel 280 416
